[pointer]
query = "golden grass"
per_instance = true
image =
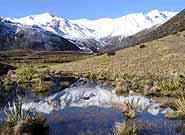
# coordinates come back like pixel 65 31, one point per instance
pixel 180 104
pixel 124 129
pixel 165 56
pixel 136 66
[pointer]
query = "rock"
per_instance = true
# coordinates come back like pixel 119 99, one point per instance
pixel 49 101
pixel 12 75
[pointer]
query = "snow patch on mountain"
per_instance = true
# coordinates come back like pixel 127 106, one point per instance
pixel 126 25
pixel 57 25
pixel 97 29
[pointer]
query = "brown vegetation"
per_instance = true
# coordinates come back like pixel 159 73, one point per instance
pixel 29 56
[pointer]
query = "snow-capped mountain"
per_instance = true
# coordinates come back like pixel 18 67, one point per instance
pixel 97 29
pixel 171 27
pixel 57 25
pixel 18 36
pixel 126 25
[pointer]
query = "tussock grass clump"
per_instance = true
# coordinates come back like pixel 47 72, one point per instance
pixel 130 108
pixel 29 77
pixel 171 86
pixel 19 121
pixel 146 84
pixel 15 112
pixel 30 126
pixel 168 85
pixel 179 105
pixel 27 73
pixel 126 129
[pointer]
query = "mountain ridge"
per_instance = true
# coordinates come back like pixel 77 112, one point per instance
pixel 53 28
pixel 17 36
pixel 172 26
pixel 77 29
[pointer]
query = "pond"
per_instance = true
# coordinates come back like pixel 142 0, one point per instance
pixel 87 108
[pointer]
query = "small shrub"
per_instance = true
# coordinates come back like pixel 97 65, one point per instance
pixel 111 53
pixel 28 73
pixel 142 46
pixel 29 78
pixel 179 106
pixel 41 86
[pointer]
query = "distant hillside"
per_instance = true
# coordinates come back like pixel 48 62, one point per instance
pixel 165 56
pixel 174 25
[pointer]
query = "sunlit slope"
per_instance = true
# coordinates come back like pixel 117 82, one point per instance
pixel 162 56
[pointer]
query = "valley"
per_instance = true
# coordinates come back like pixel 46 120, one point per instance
pixel 64 77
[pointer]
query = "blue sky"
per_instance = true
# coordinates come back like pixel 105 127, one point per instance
pixel 92 9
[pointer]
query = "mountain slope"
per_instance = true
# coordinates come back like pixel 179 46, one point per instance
pixel 126 25
pixel 172 26
pixel 17 36
pixel 101 28
pixel 57 25
pixel 165 56
pixel 53 33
